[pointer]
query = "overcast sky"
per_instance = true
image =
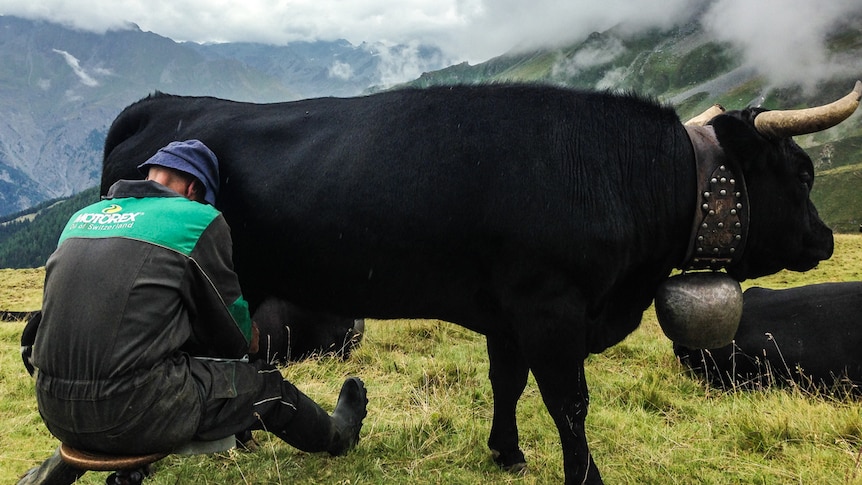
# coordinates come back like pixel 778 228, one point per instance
pixel 784 37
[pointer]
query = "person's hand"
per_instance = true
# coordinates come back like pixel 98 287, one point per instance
pixel 254 345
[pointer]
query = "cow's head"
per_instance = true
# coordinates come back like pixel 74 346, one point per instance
pixel 785 230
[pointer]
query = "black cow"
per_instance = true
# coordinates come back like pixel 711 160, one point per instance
pixel 289 333
pixel 809 335
pixel 544 218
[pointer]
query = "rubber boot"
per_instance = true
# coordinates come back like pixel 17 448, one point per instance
pixel 313 430
pixel 53 471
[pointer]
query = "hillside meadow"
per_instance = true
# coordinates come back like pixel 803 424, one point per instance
pixel 430 409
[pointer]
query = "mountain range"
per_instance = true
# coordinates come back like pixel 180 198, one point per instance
pixel 61 88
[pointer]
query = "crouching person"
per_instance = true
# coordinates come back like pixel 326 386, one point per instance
pixel 144 331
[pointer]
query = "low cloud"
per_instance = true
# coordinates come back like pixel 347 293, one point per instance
pixel 594 54
pixel 785 40
pixel 612 79
pixel 73 62
pixel 402 62
pixel 468 30
pixel 340 70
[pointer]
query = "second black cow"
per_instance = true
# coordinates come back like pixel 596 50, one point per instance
pixel 544 218
pixel 808 336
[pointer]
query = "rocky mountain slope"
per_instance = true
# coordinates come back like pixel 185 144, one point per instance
pixel 61 88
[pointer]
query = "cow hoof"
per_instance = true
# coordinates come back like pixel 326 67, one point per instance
pixel 513 462
pixel 359 328
pixel 246 442
pixel 516 469
pixel 352 338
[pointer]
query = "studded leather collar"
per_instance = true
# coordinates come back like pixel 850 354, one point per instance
pixel 720 224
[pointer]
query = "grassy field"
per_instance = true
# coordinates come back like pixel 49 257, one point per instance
pixel 430 409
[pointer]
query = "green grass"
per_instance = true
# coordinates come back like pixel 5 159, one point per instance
pixel 430 409
pixel 21 289
pixel 833 189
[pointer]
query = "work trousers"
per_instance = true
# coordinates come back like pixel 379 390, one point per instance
pixel 185 399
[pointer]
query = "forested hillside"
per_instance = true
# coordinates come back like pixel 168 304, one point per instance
pixel 28 238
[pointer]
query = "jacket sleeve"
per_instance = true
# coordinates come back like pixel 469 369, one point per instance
pixel 221 324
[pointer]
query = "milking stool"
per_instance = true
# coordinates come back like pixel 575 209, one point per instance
pixel 69 463
pixel 127 469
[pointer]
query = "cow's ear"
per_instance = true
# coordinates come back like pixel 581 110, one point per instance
pixel 740 140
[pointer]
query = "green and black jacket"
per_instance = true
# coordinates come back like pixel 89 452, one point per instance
pixel 137 278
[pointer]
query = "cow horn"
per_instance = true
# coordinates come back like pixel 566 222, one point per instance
pixel 707 115
pixel 787 123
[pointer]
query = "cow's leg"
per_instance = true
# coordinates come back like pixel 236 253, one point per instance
pixel 508 375
pixel 558 366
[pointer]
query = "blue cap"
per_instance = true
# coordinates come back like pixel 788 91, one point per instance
pixel 191 157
